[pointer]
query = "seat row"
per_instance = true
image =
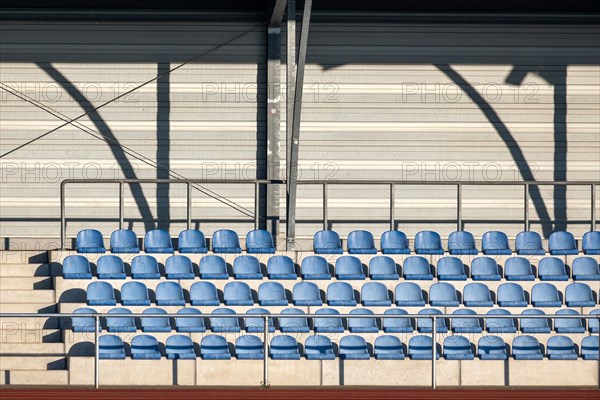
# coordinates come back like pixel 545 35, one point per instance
pixel 328 242
pixel 406 294
pixel 194 322
pixel 346 268
pixel 351 347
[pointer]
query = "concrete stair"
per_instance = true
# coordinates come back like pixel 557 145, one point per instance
pixel 49 377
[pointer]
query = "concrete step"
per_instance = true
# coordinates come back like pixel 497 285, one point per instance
pixel 27 270
pixel 26 283
pixel 35 323
pixel 39 349
pixel 38 308
pixel 33 362
pixel 12 377
pixel 26 296
pixel 14 334
pixel 25 256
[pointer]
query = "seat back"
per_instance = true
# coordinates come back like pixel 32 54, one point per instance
pixel 293 324
pixel 83 324
pixel 451 267
pixel 499 323
pixel 192 241
pixel 259 241
pixel 249 344
pixel 214 345
pixel 134 293
pixel 100 293
pixel 315 265
pixel 115 324
pixel 374 292
pixel 579 295
pixel 361 242
pixel 476 292
pixel 552 267
pixel 257 324
pixel 158 241
pixel 328 324
pixel 349 267
pixel 591 242
pixel 537 325
pixel 340 293
pixel 169 293
pixel 180 266
pixel 144 267
pixel 76 267
pixel 420 345
pixel 545 293
pixel 190 324
pixel 404 324
pixel 526 344
pixel 518 266
pixel 369 323
pixel 383 266
pixel 155 324
pixel 394 242
pixel 144 345
pixel 387 344
pixel 111 346
pixel 179 345
pixel 568 324
pixel 353 344
pixel 465 324
pixel 417 265
pixel 203 291
pixel 284 345
pixel 461 242
pixel 226 241
pixel 491 345
pixel 560 345
pixel 562 243
pixel 409 294
pixel 457 345
pixel 589 346
pixel 307 291
pixel 511 292
pixel 271 291
pixel 246 265
pixel 442 292
pixel 585 266
pixel 221 323
pixel 110 267
pixel 495 243
pixel 213 265
pixel 318 344
pixel 90 241
pixel 428 242
pixel 124 241
pixel 237 292
pixel 280 265
pixel 529 243
pixel 327 242
pixel 484 267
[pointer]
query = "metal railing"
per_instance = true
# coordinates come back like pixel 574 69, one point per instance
pixel 266 317
pixel 459 185
pixel 187 182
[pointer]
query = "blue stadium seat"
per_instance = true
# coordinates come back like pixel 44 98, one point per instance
pixel 462 243
pixel 293 325
pixel 465 325
pixel 375 294
pixel 495 243
pixel 100 294
pixel 327 242
pixel 425 325
pixel 526 348
pixel 158 241
pixel 518 269
pixel 124 241
pixel 179 267
pixel 284 347
pixel 328 325
pixel 145 347
pixel 562 325
pixel 491 348
pixel 408 294
pixel 417 268
pixel 591 243
pixel 594 324
pixel 144 267
pixel 589 348
pixel 281 267
pixel 188 325
pixel 214 347
pixel 477 295
pixel 192 241
pixel 247 267
pixel 394 242
pixel 361 242
pixel 204 294
pixel 180 347
pixel 76 267
pixel 362 325
pixel 545 295
pixel 457 348
pixel 428 242
pixel 257 324
pixel 318 347
pixel 226 241
pixel 562 243
pixel 534 325
pixel 397 325
pixel 134 294
pixel 222 324
pixel 511 295
pixel 383 268
pixel 500 325
pixel 552 269
pixel 306 294
pixel 585 269
pixel 110 267
pixel 579 295
pixel 114 324
pixel 349 268
pixel 213 267
pixel 90 241
pixel 529 243
pixel 485 269
pixel 420 348
pixel 315 268
pixel 169 294
pixel 388 347
pixel 560 348
pixel 249 347
pixel 354 347
pixel 83 324
pixel 443 294
pixel 259 241
pixel 272 294
pixel 155 324
pixel 111 347
pixel 237 294
pixel 340 294
pixel 451 269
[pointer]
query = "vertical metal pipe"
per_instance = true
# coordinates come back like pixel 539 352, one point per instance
pixel 121 204
pixel 256 204
pixel 63 218
pixel 433 351
pixel 526 207
pixel 325 222
pixel 392 206
pixel 458 207
pixel 189 205
pixel 593 228
pixel 266 351
pixel 96 352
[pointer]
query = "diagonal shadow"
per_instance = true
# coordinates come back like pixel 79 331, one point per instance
pixel 114 146
pixel 163 145
pixel 509 140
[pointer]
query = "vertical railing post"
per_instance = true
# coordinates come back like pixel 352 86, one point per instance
pixel 256 204
pixel 392 206
pixel 189 205
pixel 325 222
pixel 526 207
pixel 593 227
pixel 96 352
pixel 63 218
pixel 121 204
pixel 433 351
pixel 266 353
pixel 459 207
